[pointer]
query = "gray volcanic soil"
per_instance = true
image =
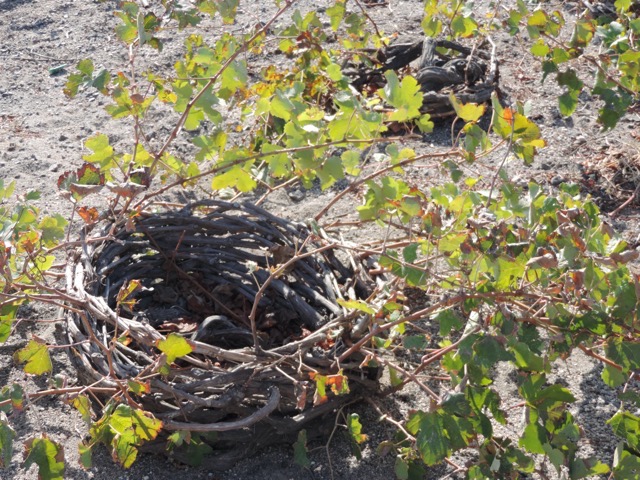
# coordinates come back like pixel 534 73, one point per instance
pixel 42 135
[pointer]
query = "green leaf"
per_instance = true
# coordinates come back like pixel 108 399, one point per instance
pixel 613 377
pixel 233 78
pixel 581 468
pixel 86 458
pixel 7 434
pixel 405 97
pixel 622 5
pixel 53 229
pixel 409 253
pixel 539 48
pixel 128 30
pixel 279 164
pixel 625 354
pixel 626 426
pixel 210 145
pixel 630 396
pixel 568 102
pixel 330 172
pixel 351 162
pixel 300 456
pixel 401 468
pixel 394 377
pixel 36 356
pixel 570 79
pixel 469 112
pixel 235 177
pixel 464 26
pixel 87 78
pixel 448 320
pixel 138 388
pixel 83 405
pixel 336 14
pixel 431 440
pixel 281 106
pixel 6 324
pixel 488 351
pixel 583 31
pixel 627 466
pixel 556 393
pixel 533 439
pixel 531 386
pixel 538 19
pixel 102 150
pixel 526 359
pixel 360 305
pixel 48 455
pixel 193 120
pixel 456 404
pixel 174 346
pixel 415 342
pixel 227 10
pixel 425 125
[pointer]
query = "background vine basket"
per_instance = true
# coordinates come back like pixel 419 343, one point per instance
pixel 469 74
pixel 200 269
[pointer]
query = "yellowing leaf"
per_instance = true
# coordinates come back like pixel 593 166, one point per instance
pixel 539 48
pixel 88 214
pixel 336 14
pixel 36 356
pixel 15 394
pixel 102 151
pixel 469 112
pixel 125 295
pixel 355 428
pixel 174 346
pixel 131 427
pixel 83 405
pixel 139 388
pixel 235 177
pixel 356 305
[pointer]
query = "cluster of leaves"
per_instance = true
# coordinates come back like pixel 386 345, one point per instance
pixel 607 42
pixel 26 238
pixel 617 61
pixel 522 277
pixel 526 278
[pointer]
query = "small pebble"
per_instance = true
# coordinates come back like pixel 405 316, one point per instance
pixel 546 166
pixel 296 195
pixel 557 180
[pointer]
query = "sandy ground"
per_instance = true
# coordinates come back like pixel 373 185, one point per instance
pixel 42 134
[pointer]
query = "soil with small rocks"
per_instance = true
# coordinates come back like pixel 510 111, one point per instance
pixel 42 134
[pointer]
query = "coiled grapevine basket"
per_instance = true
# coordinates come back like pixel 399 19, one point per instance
pixel 256 297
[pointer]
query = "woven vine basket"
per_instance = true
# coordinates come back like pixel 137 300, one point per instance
pixel 468 74
pixel 199 270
